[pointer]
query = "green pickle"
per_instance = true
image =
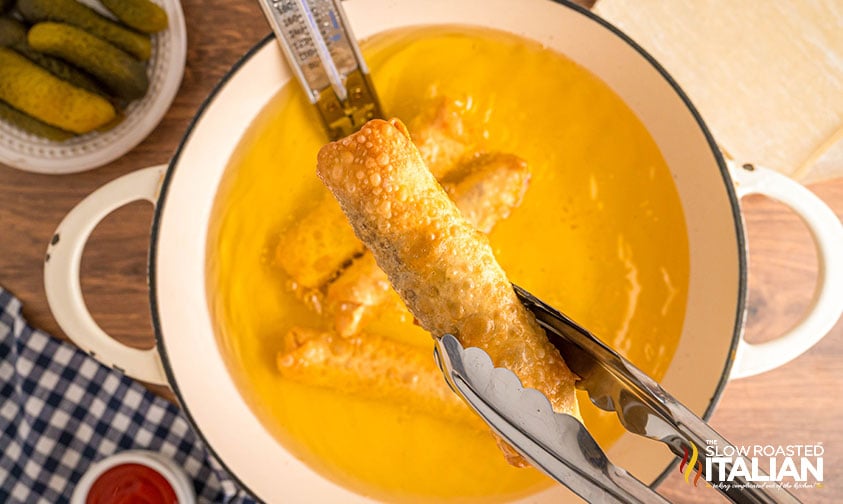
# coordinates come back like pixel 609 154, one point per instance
pixel 121 74
pixel 60 69
pixel 13 35
pixel 142 15
pixel 32 125
pixel 82 16
pixel 12 32
pixel 38 93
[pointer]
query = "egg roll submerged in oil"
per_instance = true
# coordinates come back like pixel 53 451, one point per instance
pixel 443 268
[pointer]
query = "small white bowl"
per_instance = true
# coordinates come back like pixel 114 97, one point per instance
pixel 165 466
pixel 165 69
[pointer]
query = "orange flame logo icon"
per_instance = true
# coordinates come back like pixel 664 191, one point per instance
pixel 689 461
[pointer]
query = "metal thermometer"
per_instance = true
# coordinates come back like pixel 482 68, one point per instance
pixel 317 40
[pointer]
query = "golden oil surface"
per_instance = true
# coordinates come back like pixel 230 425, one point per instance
pixel 600 235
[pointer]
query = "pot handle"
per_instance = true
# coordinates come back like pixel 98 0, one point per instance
pixel 61 275
pixel 827 302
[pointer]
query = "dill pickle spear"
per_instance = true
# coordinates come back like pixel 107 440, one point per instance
pixel 32 125
pixel 60 69
pixel 13 35
pixel 40 94
pixel 142 15
pixel 12 32
pixel 123 75
pixel 82 16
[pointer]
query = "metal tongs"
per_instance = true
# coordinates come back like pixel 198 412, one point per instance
pixel 323 53
pixel 558 444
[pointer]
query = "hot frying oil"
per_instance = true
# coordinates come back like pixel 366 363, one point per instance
pixel 600 235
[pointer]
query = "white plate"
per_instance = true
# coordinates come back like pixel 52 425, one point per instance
pixel 164 68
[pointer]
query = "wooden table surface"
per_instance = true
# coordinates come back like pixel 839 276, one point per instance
pixel 795 404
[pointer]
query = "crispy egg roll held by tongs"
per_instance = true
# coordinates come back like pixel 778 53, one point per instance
pixel 442 267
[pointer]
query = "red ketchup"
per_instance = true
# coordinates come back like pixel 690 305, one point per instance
pixel 131 484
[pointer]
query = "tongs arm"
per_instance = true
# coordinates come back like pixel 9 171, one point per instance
pixel 642 405
pixel 560 445
pixel 557 444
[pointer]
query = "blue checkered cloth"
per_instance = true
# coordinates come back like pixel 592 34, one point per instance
pixel 61 411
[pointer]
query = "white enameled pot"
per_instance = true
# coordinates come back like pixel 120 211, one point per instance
pixel 187 357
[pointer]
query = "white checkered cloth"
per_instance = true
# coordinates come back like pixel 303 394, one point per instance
pixel 61 411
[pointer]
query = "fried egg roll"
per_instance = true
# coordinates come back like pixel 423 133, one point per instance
pixel 489 186
pixel 442 135
pixel 315 247
pixel 442 267
pixel 372 367
pixel 357 295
